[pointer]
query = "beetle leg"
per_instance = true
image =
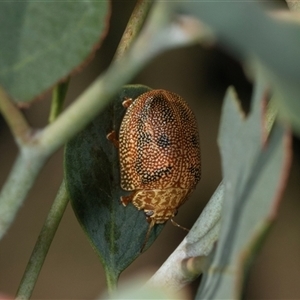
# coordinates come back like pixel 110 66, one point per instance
pixel 127 102
pixel 112 137
pixel 152 223
pixel 126 199
pixel 148 207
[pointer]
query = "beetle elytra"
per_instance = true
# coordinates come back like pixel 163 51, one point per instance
pixel 159 153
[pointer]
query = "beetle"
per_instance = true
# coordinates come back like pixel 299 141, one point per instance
pixel 159 152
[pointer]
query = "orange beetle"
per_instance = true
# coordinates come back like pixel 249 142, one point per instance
pixel 159 154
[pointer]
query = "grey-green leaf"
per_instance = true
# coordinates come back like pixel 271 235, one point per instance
pixel 92 178
pixel 43 41
pixel 255 171
pixel 248 28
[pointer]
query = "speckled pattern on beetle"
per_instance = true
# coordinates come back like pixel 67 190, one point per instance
pixel 159 154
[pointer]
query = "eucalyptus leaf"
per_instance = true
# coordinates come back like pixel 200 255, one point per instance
pixel 43 41
pixel 255 170
pixel 248 28
pixel 199 242
pixel 92 178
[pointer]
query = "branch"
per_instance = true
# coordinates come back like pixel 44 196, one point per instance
pixel 42 245
pixel 177 271
pixel 133 27
pixel 21 178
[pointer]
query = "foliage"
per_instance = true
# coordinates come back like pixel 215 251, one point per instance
pixel 45 42
pixel 49 41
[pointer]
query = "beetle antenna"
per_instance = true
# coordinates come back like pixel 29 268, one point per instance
pixel 152 223
pixel 177 225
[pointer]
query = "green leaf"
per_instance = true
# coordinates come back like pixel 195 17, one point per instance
pixel 92 179
pixel 186 262
pixel 255 170
pixel 247 30
pixel 43 41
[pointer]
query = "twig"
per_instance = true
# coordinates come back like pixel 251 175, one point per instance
pixel 133 27
pixel 56 212
pixel 14 118
pixel 43 244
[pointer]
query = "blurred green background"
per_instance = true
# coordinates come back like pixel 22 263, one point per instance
pixel 72 270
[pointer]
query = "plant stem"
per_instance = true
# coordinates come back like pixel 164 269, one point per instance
pixel 111 281
pixel 58 98
pixel 43 244
pixel 14 118
pixel 133 27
